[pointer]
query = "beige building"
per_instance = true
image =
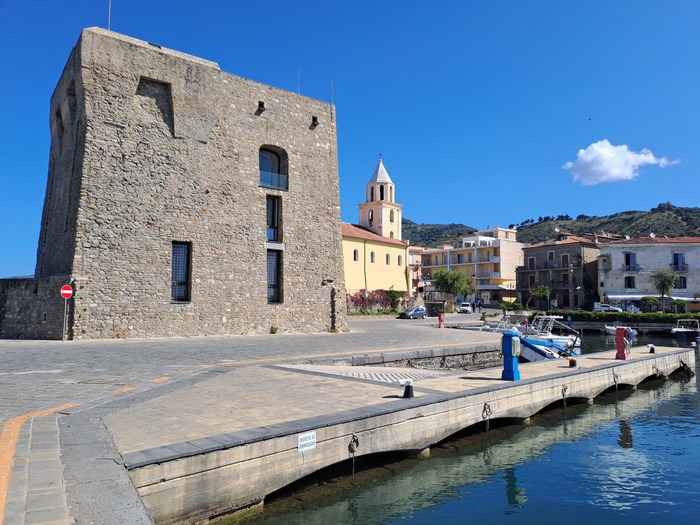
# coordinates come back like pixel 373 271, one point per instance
pixel 374 256
pixel 489 257
pixel 566 265
pixel 625 266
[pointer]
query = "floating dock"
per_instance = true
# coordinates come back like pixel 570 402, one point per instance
pixel 225 443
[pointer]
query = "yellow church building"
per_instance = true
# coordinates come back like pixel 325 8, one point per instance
pixel 374 255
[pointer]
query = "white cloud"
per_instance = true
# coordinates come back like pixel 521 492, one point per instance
pixel 602 162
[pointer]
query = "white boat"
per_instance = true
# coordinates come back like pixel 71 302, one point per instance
pixel 686 328
pixel 507 324
pixel 542 328
pixel 612 329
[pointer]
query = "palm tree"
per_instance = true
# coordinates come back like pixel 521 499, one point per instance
pixel 663 279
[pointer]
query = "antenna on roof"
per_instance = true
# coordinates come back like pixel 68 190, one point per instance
pixel 109 14
pixel 299 81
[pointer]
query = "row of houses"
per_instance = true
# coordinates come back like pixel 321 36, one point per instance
pixel 578 270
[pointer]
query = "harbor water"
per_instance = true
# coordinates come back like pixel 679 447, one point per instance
pixel 630 457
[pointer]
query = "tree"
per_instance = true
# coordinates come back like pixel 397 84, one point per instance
pixel 540 292
pixel 453 282
pixel 663 279
pixel 649 302
pixel 510 305
pixel 679 304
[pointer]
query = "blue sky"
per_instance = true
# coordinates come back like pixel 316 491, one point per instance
pixel 486 113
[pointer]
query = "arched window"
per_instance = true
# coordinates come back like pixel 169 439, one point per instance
pixel 388 259
pixel 381 192
pixel 391 216
pixel 371 257
pixel 355 255
pixel 400 261
pixel 391 235
pixel 370 216
pixel 269 161
pixel 273 168
pixel 371 194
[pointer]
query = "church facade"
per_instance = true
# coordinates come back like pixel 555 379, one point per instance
pixel 181 201
pixel 375 256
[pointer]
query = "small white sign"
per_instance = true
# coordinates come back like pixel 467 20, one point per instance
pixel 307 441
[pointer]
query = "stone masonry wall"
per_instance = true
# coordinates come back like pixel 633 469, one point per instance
pixel 165 148
pixel 32 308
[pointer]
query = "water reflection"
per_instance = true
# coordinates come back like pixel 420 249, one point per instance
pixel 581 457
pixel 625 439
pixel 515 493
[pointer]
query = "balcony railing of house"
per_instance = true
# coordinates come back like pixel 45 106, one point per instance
pixel 679 267
pixel 275 181
pixel 631 267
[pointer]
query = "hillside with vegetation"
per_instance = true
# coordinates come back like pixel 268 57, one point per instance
pixel 664 220
pixel 432 235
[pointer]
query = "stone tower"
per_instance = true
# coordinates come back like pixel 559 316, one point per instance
pixel 379 212
pixel 181 201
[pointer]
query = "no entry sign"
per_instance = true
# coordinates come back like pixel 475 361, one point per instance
pixel 66 291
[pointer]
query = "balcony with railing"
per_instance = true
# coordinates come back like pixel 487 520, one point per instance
pixel 631 267
pixel 275 181
pixel 679 267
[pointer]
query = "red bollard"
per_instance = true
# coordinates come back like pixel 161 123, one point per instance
pixel 621 343
pixel 441 320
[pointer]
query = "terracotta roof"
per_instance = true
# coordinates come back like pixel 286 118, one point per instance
pixel 570 239
pixel 359 232
pixel 658 240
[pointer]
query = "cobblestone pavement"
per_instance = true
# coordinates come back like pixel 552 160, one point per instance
pixel 41 380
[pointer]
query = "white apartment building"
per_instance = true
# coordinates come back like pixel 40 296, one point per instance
pixel 625 267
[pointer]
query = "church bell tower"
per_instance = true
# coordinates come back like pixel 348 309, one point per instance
pixel 380 213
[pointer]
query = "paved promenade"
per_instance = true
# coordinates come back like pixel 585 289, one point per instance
pixel 70 411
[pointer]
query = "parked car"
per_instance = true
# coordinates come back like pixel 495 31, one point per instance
pixel 465 308
pixel 602 307
pixel 417 312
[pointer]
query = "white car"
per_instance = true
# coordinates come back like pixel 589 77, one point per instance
pixel 465 308
pixel 602 307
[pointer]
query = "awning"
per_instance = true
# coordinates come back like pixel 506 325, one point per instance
pixel 625 296
pixel 683 296
pixel 637 296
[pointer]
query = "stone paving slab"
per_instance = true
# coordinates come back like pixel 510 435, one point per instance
pixel 41 380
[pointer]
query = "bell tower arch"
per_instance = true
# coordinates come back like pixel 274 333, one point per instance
pixel 380 213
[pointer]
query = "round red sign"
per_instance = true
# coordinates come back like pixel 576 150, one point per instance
pixel 66 291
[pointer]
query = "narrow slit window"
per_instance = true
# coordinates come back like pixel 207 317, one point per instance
pixel 274 276
pixel 180 290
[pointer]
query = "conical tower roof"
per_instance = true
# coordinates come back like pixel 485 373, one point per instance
pixel 380 174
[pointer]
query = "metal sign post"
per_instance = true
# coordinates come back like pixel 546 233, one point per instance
pixel 66 293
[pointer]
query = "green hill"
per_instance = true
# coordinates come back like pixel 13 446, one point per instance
pixel 664 220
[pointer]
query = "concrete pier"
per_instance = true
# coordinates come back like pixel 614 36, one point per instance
pixel 177 431
pixel 206 472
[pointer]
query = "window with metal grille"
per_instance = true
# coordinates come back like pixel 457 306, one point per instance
pixel 274 276
pixel 181 271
